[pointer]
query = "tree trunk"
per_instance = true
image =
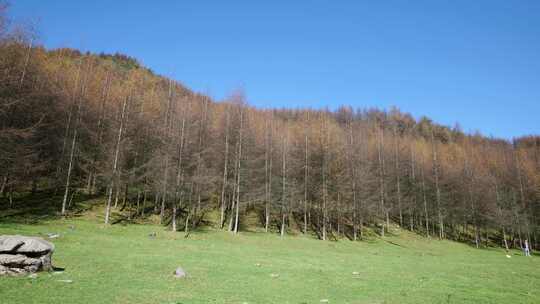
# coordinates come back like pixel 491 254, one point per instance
pixel 232 198
pixel 72 154
pixel 92 175
pixel 426 215
pixel 27 59
pixel 3 186
pixel 381 177
pixel 398 182
pixel 138 210
pixel 270 170
pixel 239 161
pixel 413 182
pixel 115 162
pixel 266 180
pixel 284 182
pixel 202 128
pixel 179 170
pixel 116 195
pixel 10 196
pixel 166 129
pixel 525 206
pixel 338 215
pixel 324 179
pixel 306 172
pixel 225 172
pixel 143 207
pixel 437 188
pixel 68 125
pixel 352 168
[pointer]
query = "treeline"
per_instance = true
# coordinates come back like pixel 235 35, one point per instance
pixel 104 125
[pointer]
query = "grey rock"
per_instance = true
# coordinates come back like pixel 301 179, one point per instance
pixel 17 259
pixel 23 255
pixel 179 273
pixel 31 244
pixel 9 244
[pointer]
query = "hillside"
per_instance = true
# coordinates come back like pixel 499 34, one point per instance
pixel 98 124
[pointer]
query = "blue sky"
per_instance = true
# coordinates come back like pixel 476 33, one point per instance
pixel 472 62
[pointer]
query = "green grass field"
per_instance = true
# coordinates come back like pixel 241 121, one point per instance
pixel 121 264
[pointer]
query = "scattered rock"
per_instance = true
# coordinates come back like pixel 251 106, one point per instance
pixel 274 275
pixel 179 273
pixel 53 235
pixel 20 255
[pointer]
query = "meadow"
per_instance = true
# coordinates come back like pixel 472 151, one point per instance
pixel 122 263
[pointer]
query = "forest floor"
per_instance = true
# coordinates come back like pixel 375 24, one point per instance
pixel 123 264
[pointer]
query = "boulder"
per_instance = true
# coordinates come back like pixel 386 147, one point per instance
pixel 23 255
pixel 9 244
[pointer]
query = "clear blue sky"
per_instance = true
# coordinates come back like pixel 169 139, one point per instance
pixel 473 62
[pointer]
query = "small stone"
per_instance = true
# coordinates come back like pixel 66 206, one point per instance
pixel 65 281
pixel 53 235
pixel 356 273
pixel 179 273
pixel 508 256
pixel 33 276
pixel 258 264
pixel 324 301
pixel 274 275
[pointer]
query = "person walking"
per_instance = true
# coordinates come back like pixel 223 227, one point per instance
pixel 526 249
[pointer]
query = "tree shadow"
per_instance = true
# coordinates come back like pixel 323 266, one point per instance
pixel 40 206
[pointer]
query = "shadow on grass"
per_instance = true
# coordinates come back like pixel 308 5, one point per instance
pixel 35 208
pixel 197 223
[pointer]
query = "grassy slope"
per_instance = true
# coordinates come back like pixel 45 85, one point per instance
pixel 121 264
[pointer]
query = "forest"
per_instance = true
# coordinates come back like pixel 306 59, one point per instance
pixel 74 123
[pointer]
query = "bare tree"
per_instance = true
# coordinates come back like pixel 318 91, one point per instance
pixel 238 169
pixel 113 177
